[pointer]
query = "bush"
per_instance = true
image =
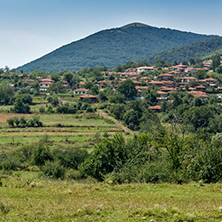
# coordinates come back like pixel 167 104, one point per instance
pixel 71 158
pixel 42 109
pixel 73 174
pixel 40 155
pixel 9 162
pixel 207 165
pixel 105 157
pixel 11 122
pixel 53 170
pixel 20 106
pixel 22 122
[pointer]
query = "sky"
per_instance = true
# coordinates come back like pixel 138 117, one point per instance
pixel 30 29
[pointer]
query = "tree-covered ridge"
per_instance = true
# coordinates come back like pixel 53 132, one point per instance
pixel 200 49
pixel 113 47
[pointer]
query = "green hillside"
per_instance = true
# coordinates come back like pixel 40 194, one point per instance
pixel 113 47
pixel 200 49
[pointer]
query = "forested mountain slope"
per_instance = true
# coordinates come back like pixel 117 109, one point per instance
pixel 113 47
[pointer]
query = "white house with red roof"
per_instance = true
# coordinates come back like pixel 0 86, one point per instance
pixel 80 91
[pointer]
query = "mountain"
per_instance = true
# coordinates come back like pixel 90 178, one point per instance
pixel 113 47
pixel 200 49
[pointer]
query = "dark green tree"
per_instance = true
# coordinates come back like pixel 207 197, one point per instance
pixel 20 107
pixel 127 88
pixel 6 92
pixel 215 62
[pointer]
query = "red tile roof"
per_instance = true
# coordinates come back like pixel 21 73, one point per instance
pixel 155 107
pixel 88 96
pixel 81 90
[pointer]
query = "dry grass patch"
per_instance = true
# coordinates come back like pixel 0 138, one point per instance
pixel 5 116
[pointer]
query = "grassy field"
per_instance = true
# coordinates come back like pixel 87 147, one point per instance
pixel 26 197
pixel 61 130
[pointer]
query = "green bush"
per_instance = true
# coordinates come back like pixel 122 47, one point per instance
pixel 53 170
pixel 207 165
pixel 41 154
pixel 73 174
pixel 9 162
pixel 71 158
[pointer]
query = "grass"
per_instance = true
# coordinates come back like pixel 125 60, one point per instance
pixel 63 130
pixel 26 197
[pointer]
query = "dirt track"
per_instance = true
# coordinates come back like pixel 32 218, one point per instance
pixel 118 124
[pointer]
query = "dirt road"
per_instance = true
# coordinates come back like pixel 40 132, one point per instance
pixel 118 124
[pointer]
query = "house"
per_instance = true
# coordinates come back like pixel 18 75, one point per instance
pixel 141 87
pixel 46 80
pixel 167 89
pixel 89 97
pixel 201 88
pixel 130 74
pixel 162 96
pixel 137 83
pixel 80 91
pixel 104 83
pixel 199 94
pixel 157 83
pixel 44 86
pixel 145 69
pixel 179 68
pixel 166 76
pixel 186 79
pixel 156 108
pixel 207 64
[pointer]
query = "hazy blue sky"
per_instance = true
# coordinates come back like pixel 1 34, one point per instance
pixel 32 28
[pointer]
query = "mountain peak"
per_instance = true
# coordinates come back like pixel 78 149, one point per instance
pixel 135 24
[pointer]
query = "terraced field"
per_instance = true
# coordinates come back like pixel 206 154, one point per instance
pixel 61 130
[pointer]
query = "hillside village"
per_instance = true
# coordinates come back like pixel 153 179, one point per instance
pixel 91 114
pixel 194 81
pixel 110 111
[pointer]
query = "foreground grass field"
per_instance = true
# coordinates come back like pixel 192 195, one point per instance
pixel 26 197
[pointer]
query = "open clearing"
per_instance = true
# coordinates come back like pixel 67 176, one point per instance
pixel 26 197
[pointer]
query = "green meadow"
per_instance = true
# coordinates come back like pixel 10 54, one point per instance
pixel 27 197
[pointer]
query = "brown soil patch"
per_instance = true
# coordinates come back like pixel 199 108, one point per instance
pixel 5 116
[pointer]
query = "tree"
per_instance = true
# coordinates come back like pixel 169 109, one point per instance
pixel 160 63
pixel 151 97
pixel 55 77
pixel 53 100
pixel 88 85
pixel 215 62
pixel 219 69
pixel 128 89
pixel 102 96
pixel 106 156
pixel 198 116
pixel 20 107
pixel 132 119
pixel 6 92
pixel 118 110
pixel 68 77
pixel 56 87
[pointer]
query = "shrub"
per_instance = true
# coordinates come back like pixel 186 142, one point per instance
pixel 41 154
pixel 71 158
pixel 54 170
pixel 11 122
pixel 73 174
pixel 42 109
pixel 9 162
pixel 207 165
pixel 105 157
